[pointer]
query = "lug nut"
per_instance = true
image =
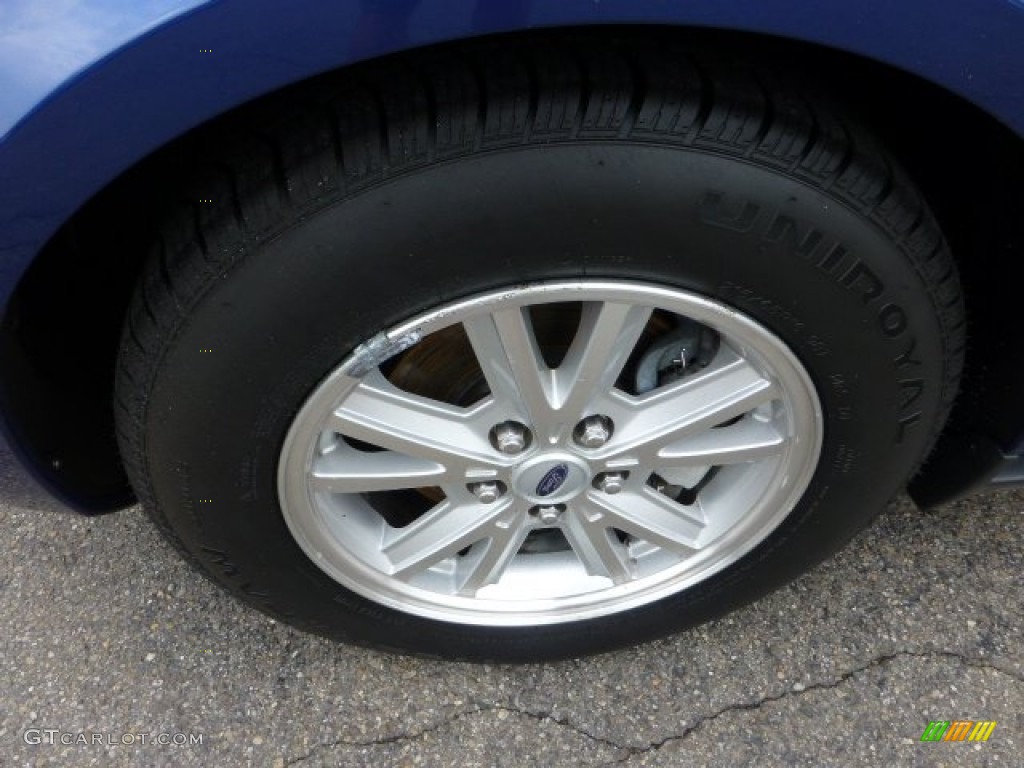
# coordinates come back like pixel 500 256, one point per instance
pixel 593 431
pixel 610 482
pixel 486 492
pixel 548 515
pixel 510 437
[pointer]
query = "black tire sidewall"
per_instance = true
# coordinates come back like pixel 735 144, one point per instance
pixel 826 280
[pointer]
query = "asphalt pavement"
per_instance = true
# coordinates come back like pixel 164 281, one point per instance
pixel 113 652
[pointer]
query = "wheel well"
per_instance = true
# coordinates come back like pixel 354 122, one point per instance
pixel 60 335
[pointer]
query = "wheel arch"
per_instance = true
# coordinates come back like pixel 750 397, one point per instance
pixel 59 335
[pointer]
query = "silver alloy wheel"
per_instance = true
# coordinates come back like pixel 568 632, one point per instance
pixel 598 465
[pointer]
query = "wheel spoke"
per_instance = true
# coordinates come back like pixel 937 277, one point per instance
pixel 589 532
pixel 347 470
pixel 379 413
pixel 507 351
pixel 442 532
pixel 646 425
pixel 486 562
pixel 655 518
pixel 746 441
pixel 607 334
pixel 554 400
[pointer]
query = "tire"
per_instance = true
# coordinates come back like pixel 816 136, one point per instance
pixel 768 325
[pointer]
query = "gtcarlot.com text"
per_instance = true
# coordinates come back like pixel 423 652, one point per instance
pixel 55 736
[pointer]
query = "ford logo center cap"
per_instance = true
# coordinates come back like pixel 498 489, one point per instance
pixel 552 479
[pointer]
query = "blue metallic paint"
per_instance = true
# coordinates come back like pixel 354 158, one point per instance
pixel 43 45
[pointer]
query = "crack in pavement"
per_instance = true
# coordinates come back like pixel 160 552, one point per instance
pixel 632 750
pixel 441 724
pixel 385 740
pixel 877 661
pixel 969 661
